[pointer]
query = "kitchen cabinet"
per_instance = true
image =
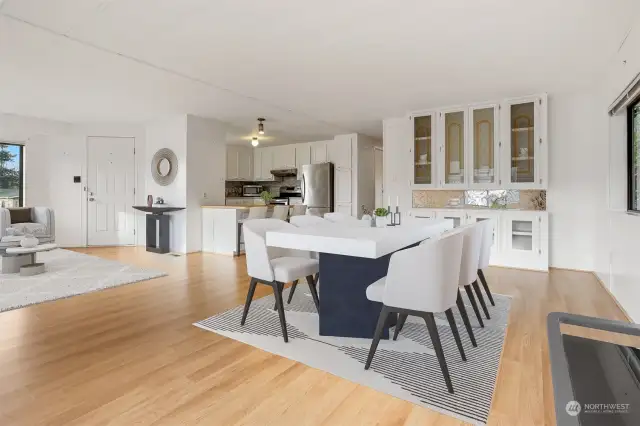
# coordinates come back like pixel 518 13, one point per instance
pixel 339 151
pixel 481 146
pixel 473 216
pixel 319 152
pixel 344 208
pixel 484 146
pixel 263 164
pixel 239 163
pixel 303 156
pixel 458 216
pixel 423 150
pixel 524 132
pixel 342 186
pixel 520 239
pixel 283 157
pixel 452 141
pixel 525 239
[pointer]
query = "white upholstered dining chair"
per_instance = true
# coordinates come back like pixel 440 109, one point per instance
pixel 469 267
pixel 275 266
pixel 420 281
pixel 280 212
pixel 485 254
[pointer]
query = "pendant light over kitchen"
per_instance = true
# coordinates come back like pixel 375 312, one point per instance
pixel 261 126
pixel 254 141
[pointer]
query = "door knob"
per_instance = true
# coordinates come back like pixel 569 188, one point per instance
pixel 92 199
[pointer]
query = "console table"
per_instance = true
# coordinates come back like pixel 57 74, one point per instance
pixel 158 227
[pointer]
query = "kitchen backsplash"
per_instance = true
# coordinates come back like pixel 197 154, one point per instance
pixel 495 198
pixel 234 188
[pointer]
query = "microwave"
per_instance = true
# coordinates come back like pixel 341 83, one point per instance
pixel 251 190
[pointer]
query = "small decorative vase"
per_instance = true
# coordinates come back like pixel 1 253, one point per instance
pixel 149 200
pixel 29 241
pixel 381 221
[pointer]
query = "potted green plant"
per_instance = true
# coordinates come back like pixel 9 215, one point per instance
pixel 381 217
pixel 266 197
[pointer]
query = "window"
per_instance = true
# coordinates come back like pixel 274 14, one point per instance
pixel 633 156
pixel 11 175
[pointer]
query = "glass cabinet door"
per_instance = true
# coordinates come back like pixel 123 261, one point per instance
pixel 423 149
pixel 522 141
pixel 453 145
pixel 484 145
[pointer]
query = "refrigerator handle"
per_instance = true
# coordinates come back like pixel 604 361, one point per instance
pixel 303 187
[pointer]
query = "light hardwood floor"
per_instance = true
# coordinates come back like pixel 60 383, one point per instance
pixel 129 355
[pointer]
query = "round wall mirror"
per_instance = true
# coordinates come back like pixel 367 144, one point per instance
pixel 164 166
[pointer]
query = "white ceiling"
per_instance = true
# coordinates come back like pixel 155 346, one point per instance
pixel 313 69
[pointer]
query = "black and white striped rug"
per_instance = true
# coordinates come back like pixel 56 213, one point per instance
pixel 406 368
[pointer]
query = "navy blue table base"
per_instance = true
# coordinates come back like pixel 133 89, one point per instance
pixel 345 310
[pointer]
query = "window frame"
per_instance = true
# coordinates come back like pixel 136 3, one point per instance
pixel 21 189
pixel 630 158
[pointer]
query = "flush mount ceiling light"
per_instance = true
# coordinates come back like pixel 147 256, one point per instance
pixel 254 141
pixel 261 126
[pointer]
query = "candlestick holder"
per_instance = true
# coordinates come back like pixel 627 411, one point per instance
pixel 397 216
pixel 391 217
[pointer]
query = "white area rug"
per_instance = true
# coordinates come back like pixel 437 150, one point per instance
pixel 67 274
pixel 406 368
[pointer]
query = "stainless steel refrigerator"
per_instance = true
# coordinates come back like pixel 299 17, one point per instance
pixel 317 188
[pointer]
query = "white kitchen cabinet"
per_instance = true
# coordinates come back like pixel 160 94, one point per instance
pixel 481 146
pixel 483 161
pixel 342 186
pixel 458 216
pixel 479 215
pixel 423 150
pixel 524 147
pixel 303 156
pixel 344 208
pixel 524 239
pixel 319 152
pixel 283 157
pixel 452 151
pixel 422 213
pixel 239 163
pixel 339 151
pixel 262 164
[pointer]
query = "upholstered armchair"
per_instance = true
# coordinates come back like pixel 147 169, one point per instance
pixel 38 221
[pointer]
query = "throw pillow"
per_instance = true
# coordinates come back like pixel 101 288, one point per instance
pixel 20 214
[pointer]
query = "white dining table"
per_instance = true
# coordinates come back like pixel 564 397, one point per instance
pixel 352 258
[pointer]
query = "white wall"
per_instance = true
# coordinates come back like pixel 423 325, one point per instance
pixel 55 152
pixel 206 171
pixel 364 174
pixel 618 233
pixel 170 133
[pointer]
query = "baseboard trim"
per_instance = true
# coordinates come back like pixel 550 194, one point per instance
pixel 615 300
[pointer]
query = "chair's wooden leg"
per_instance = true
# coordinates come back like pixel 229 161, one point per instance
pixel 454 330
pixel 474 304
pixel 465 319
pixel 382 320
pixel 437 346
pixel 401 319
pixel 247 303
pixel 314 294
pixel 277 292
pixel 486 287
pixel 292 290
pixel 476 288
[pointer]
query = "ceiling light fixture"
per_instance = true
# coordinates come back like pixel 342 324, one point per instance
pixel 254 141
pixel 261 126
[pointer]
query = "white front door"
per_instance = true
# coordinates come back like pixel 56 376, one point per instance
pixel 110 191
